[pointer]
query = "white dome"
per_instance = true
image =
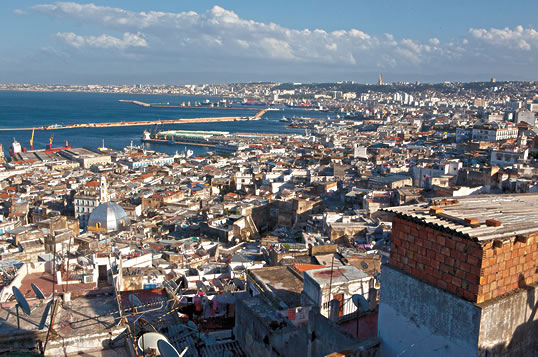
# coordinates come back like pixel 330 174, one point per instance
pixel 108 216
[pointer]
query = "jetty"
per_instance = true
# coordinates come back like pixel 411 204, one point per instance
pixel 160 105
pixel 256 116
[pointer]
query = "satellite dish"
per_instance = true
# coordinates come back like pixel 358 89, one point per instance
pixel 360 302
pixel 364 265
pixel 45 315
pixel 218 283
pixel 147 343
pixel 21 300
pixel 201 286
pixel 166 349
pixel 134 300
pixel 192 325
pixel 38 293
pixel 83 261
pixel 239 284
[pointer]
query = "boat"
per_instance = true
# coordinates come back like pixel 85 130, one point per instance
pixel 284 120
pixel 187 153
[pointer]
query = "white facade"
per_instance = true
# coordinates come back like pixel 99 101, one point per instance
pixel 320 288
pixel 507 158
pixel 84 205
pixel 480 134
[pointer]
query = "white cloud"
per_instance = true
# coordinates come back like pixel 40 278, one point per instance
pixel 202 32
pixel 103 41
pixel 218 34
pixel 517 38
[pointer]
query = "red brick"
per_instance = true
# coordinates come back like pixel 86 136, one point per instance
pixel 471 221
pixel 465 267
pixel 461 274
pixel 445 251
pixel 472 260
pixel 442 284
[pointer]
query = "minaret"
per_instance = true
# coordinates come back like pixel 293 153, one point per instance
pixel 103 190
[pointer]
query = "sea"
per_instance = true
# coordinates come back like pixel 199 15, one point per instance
pixel 21 109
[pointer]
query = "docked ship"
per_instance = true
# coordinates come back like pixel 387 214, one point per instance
pixel 17 152
pixel 185 137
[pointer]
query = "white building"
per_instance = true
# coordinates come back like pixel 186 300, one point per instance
pixel 507 158
pixel 494 134
pixel 338 283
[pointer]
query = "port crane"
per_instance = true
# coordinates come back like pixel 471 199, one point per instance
pixel 32 140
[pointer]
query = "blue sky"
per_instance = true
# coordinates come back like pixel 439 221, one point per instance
pixel 134 41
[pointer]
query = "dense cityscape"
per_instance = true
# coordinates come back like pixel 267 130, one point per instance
pixel 268 179
pixel 402 220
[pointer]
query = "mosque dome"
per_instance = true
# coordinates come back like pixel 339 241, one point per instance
pixel 108 217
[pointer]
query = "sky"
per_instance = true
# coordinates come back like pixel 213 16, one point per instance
pixel 179 42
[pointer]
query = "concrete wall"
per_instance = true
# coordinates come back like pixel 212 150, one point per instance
pixel 509 326
pixel 316 337
pixel 417 319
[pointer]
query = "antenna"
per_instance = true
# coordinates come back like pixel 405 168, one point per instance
pixel 362 305
pixel 38 293
pixel 22 303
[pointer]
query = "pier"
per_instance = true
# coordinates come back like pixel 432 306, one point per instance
pixel 256 116
pixel 158 105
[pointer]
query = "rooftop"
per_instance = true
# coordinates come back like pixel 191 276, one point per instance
pixel 336 275
pixel 285 284
pixel 479 218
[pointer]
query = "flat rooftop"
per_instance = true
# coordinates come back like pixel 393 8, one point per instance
pixel 336 275
pixel 81 316
pixel 517 214
pixel 282 282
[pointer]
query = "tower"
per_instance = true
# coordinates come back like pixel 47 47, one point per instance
pixel 103 190
pixel 380 79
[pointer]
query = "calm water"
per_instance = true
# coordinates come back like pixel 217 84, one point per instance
pixel 29 109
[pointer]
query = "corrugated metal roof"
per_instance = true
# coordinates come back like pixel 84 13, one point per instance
pixel 518 214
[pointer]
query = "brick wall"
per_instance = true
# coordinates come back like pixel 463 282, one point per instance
pixel 508 266
pixel 465 268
